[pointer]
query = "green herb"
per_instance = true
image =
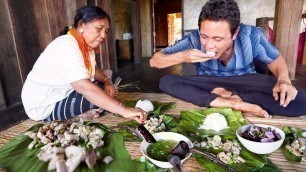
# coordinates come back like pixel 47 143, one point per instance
pixel 160 150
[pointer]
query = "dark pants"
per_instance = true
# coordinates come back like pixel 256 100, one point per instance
pixel 70 107
pixel 251 88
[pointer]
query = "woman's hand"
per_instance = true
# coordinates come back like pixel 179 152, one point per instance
pixel 110 88
pixel 135 113
pixel 284 91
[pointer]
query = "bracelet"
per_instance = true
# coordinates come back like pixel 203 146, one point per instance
pixel 105 79
pixel 119 107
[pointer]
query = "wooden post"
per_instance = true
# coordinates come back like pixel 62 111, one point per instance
pixel 19 46
pixel 136 30
pixel 287 28
pixel 109 57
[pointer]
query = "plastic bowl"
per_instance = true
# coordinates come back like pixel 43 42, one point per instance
pixel 165 136
pixel 260 147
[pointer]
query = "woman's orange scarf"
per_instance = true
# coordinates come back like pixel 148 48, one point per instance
pixel 83 47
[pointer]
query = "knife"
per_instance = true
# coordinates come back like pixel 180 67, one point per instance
pixel 142 133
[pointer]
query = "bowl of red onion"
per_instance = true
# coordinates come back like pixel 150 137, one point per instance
pixel 260 138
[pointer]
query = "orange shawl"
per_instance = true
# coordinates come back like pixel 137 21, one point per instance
pixel 83 47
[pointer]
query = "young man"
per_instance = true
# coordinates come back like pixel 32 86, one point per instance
pixel 224 51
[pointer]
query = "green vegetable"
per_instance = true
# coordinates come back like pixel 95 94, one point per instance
pixel 160 150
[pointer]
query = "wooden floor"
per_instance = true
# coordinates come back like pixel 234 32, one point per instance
pixel 147 79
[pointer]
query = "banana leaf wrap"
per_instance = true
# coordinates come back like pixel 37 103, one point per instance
pixel 291 133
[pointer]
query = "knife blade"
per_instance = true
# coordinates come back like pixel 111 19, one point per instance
pixel 142 133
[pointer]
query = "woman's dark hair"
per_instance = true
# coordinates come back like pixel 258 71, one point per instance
pixel 87 14
pixel 218 10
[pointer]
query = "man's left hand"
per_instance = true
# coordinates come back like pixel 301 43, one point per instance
pixel 110 88
pixel 284 91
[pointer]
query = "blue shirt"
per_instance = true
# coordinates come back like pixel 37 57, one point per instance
pixel 250 44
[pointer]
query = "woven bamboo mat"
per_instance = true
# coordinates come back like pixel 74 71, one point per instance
pixel 190 165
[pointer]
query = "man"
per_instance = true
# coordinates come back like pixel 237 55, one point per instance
pixel 224 51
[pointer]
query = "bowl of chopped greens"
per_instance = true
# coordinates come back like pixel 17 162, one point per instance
pixel 158 152
pixel 260 138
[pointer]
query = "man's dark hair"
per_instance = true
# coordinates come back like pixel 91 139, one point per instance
pixel 218 10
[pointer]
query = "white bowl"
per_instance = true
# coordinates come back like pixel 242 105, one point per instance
pixel 165 136
pixel 260 147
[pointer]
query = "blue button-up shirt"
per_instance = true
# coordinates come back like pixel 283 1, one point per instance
pixel 250 44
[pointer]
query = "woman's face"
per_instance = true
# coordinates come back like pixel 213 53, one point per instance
pixel 95 32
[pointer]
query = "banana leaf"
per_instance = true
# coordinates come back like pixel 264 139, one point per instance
pixel 159 107
pixel 170 122
pixel 269 167
pixel 144 165
pixel 15 155
pixel 291 133
pixel 252 160
pixel 191 120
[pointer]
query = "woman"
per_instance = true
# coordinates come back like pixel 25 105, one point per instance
pixel 60 85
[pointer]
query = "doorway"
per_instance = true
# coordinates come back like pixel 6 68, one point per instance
pixel 174 28
pixel 167 23
pixel 127 31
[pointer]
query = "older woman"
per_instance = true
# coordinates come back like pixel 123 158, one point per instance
pixel 60 85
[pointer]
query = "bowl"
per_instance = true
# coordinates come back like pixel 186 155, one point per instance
pixel 260 147
pixel 165 136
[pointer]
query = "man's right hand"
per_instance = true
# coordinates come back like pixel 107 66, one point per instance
pixel 194 56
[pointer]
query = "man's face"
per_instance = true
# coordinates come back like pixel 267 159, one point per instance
pixel 216 36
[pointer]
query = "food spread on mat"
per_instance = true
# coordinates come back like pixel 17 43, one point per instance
pixel 66 145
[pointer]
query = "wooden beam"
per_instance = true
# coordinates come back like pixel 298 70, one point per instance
pixel 108 56
pixel 42 23
pixel 287 28
pixel 136 30
pixel 19 46
pixel 71 7
pixel 57 22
